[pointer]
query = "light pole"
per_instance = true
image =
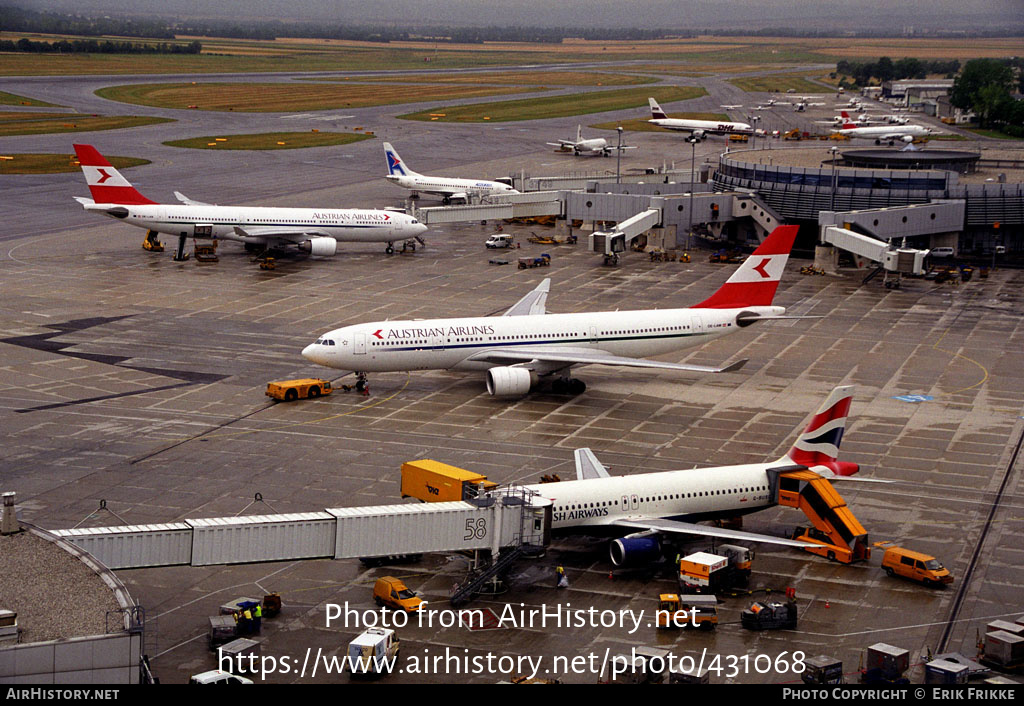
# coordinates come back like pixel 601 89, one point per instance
pixel 833 150
pixel 693 164
pixel 618 155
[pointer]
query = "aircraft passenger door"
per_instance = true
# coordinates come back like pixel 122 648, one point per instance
pixel 634 502
pixel 696 325
pixel 625 503
pixel 359 344
pixel 437 343
pixel 593 335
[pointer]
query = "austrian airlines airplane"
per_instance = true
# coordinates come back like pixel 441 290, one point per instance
pixel 316 231
pixel 445 187
pixel 698 128
pixel 672 502
pixel 523 345
pixel 903 133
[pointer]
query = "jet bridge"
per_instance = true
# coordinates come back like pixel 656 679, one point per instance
pixel 899 261
pixel 497 206
pixel 611 243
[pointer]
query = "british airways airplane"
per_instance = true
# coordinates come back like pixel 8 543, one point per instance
pixel 672 502
pixel 447 188
pixel 313 230
pixel 524 345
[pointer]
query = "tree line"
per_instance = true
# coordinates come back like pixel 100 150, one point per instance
pixel 885 69
pixel 986 87
pixel 94 46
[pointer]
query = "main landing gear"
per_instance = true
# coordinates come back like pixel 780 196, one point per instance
pixel 568 386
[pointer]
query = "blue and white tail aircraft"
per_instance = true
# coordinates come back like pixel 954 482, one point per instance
pixel 525 345
pixel 653 506
pixel 448 188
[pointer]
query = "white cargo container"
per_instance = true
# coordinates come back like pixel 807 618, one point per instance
pixel 237 540
pixel 134 546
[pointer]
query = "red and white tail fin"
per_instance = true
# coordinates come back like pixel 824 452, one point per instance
pixel 106 183
pixel 755 281
pixel 818 446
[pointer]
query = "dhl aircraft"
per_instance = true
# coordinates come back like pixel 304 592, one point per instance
pixel 312 230
pixel 656 505
pixel 447 188
pixel 524 345
pixel 698 128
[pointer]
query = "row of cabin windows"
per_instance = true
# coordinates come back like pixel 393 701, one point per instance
pixel 659 498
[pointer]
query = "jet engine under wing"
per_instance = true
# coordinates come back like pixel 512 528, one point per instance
pixel 674 526
pixel 587 465
pixel 587 356
pixel 532 303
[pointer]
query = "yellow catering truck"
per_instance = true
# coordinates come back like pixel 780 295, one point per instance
pixel 434 482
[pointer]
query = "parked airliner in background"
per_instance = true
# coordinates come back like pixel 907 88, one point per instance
pixel 698 128
pixel 593 146
pixel 447 188
pixel 312 230
pixel 672 502
pixel 886 133
pixel 523 345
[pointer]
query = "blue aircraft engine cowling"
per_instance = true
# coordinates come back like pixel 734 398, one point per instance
pixel 635 549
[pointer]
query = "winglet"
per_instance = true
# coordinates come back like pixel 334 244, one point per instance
pixel 533 303
pixel 588 467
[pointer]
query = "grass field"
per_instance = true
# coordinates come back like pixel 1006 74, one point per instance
pixel 271 141
pixel 556 106
pixel 700 54
pixel 282 97
pixel 12 123
pixel 779 83
pixel 28 163
pixel 518 78
pixel 11 99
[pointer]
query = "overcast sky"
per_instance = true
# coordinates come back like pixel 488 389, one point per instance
pixel 693 14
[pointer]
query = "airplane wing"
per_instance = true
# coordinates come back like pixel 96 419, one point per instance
pixel 261 233
pixel 676 527
pixel 587 465
pixel 190 202
pixel 564 144
pixel 532 303
pixel 587 356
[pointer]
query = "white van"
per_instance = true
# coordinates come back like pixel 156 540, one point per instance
pixel 941 252
pixel 217 676
pixel 499 240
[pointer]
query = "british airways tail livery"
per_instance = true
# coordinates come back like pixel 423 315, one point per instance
pixel 316 231
pixel 525 345
pixel 447 188
pixel 656 506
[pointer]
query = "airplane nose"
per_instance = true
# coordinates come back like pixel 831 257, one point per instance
pixel 309 352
